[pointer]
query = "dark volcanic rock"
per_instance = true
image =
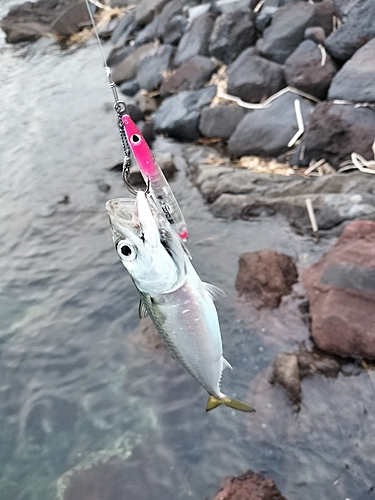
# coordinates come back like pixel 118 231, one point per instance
pixel 265 277
pixel 152 66
pixel 220 121
pixel 267 132
pixel 249 486
pixel 265 15
pixel 174 30
pixel 341 292
pixel 232 34
pixel 71 20
pixel 315 33
pixel 337 130
pixel 196 39
pixel 127 69
pixel 123 30
pixel 357 30
pixel 303 70
pixel 147 9
pixel 355 80
pixel 288 27
pixel 178 116
pixel 130 87
pixel 190 76
pixel 253 78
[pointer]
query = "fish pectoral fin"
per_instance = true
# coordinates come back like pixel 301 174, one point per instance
pixel 213 402
pixel 215 292
pixel 142 311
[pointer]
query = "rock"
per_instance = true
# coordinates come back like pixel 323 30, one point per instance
pixel 145 103
pixel 341 292
pixel 147 9
pixel 71 20
pixel 119 35
pixel 229 6
pixel 265 277
pixel 220 121
pixel 335 131
pixel 24 32
pixel 152 66
pixel 286 373
pixel 316 34
pixel 303 70
pixel 288 27
pixel 232 34
pixel 174 30
pixel 253 78
pixel 267 132
pixel 127 69
pixel 130 87
pixel 310 363
pixel 249 486
pixel 355 80
pixel 135 112
pixel 265 16
pixel 147 130
pixel 178 116
pixel 190 76
pixel 116 56
pixel 357 30
pixel 196 39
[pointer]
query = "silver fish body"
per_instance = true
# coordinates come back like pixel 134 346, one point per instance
pixel 178 302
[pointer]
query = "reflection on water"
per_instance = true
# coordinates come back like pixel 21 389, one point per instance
pixel 76 385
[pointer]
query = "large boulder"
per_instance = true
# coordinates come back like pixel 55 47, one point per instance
pixel 151 68
pixel 220 121
pixel 196 39
pixel 304 70
pixel 355 80
pixel 358 29
pixel 190 76
pixel 288 26
pixel 178 116
pixel 265 277
pixel 253 78
pixel 337 130
pixel 232 33
pixel 341 292
pixel 127 69
pixel 267 132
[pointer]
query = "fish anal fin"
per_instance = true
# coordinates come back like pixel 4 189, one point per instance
pixel 213 402
pixel 142 311
pixel 225 364
pixel 215 292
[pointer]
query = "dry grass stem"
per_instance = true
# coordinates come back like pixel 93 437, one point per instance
pixel 301 126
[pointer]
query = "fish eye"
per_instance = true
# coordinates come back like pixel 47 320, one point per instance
pixel 135 138
pixel 125 250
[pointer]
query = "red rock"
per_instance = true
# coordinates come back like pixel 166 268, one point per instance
pixel 341 292
pixel 265 277
pixel 249 486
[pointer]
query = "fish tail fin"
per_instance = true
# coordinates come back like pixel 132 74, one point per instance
pixel 213 402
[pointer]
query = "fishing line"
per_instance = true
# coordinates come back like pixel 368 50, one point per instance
pixel 120 106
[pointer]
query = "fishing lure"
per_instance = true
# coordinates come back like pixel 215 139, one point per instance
pixel 133 140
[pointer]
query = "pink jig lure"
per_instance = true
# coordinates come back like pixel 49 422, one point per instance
pixel 154 177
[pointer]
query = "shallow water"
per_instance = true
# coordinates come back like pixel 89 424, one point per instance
pixel 77 379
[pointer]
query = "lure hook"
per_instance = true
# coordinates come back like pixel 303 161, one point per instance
pixel 131 189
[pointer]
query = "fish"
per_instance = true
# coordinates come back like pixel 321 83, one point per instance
pixel 179 304
pixel 154 177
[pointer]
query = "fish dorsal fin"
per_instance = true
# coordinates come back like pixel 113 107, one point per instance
pixel 225 364
pixel 215 292
pixel 142 311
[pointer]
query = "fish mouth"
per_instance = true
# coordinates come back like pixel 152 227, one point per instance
pixel 120 208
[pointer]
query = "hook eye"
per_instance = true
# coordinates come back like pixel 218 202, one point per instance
pixel 135 139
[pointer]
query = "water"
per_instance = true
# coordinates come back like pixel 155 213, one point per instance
pixel 79 383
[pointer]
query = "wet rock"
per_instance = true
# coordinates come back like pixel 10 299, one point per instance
pixel 358 29
pixel 147 130
pixel 147 9
pixel 145 103
pixel 310 363
pixel 249 486
pixel 265 277
pixel 220 121
pixel 135 112
pixel 355 80
pixel 196 39
pixel 304 70
pixel 253 78
pixel 71 20
pixel 335 131
pixel 267 132
pixel 341 292
pixel 288 27
pixel 122 30
pixel 190 76
pixel 178 116
pixel 231 35
pixel 127 69
pixel 130 87
pixel 174 30
pixel 152 66
pixel 117 55
pixel 286 373
pixel 315 34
